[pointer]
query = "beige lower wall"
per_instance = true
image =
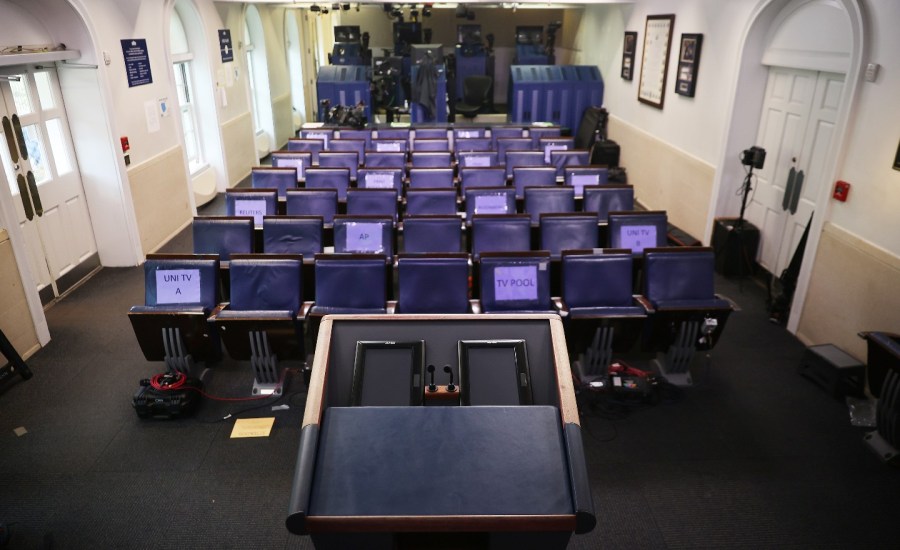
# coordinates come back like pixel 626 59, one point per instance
pixel 665 178
pixel 15 318
pixel 855 286
pixel 240 150
pixel 282 113
pixel 159 189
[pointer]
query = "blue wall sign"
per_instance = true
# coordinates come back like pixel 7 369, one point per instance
pixel 137 62
pixel 225 47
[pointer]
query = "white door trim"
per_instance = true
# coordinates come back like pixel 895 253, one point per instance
pixel 747 91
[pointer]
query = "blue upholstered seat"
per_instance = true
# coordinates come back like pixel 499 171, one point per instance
pixel 280 179
pixel 532 176
pixel 311 146
pixel 598 285
pixel 180 292
pixel 581 176
pixel 568 232
pixel 471 144
pixel 536 133
pixel 433 284
pixel 481 177
pixel 223 235
pixel 381 145
pixel 329 178
pixel 340 159
pixel 540 200
pixel 515 159
pixel 575 157
pixel 350 284
pixel 261 322
pixel 354 134
pixel 293 235
pixel 430 159
pixel 364 234
pixel 604 199
pixel 548 144
pixel 313 202
pixel 430 201
pixel 637 230
pixel 365 202
pixel 442 144
pixel 515 282
pixel 357 146
pixel 477 159
pixel 430 133
pixel 500 233
pixel 432 234
pixel 392 133
pixel 431 177
pixel 469 132
pixel 299 160
pixel 385 159
pixel 489 200
pixel 506 132
pixel 511 144
pixel 380 178
pixel 324 135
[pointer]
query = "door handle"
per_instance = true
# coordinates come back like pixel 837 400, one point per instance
pixel 789 189
pixel 23 193
pixel 10 140
pixel 798 186
pixel 20 137
pixel 35 195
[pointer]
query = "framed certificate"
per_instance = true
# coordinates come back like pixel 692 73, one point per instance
pixel 688 61
pixel 655 62
pixel 628 49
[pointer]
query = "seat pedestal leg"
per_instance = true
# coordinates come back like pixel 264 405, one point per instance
pixel 598 356
pixel 265 365
pixel 176 358
pixel 675 365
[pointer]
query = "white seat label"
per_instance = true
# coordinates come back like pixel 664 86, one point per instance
pixel 255 208
pixel 178 286
pixel 480 161
pixel 364 237
pixel 553 147
pixel 491 204
pixel 379 180
pixel 515 283
pixel 390 147
pixel 580 180
pixel 638 237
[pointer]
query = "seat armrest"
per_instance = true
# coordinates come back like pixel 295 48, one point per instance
pixel 560 306
pixel 734 306
pixel 642 301
pixel 215 313
pixel 475 305
pixel 304 310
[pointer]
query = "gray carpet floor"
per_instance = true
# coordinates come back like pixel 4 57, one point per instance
pixel 752 456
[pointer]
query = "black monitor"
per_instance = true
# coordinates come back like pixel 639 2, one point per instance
pixel 468 34
pixel 529 35
pixel 421 51
pixel 347 33
pixel 405 35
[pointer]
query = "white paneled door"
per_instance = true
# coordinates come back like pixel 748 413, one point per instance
pixel 44 183
pixel 796 130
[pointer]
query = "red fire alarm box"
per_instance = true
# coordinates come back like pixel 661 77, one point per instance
pixel 841 190
pixel 125 145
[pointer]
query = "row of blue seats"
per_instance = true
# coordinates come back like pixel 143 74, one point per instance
pixel 229 235
pixel 266 306
pixel 326 202
pixel 458 138
pixel 360 166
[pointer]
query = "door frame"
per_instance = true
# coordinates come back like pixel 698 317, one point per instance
pixel 748 90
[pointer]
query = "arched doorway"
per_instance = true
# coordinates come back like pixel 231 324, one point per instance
pixel 790 94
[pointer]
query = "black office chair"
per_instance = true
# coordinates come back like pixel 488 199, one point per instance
pixel 475 95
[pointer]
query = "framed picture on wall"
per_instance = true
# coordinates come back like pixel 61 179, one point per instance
pixel 628 50
pixel 688 61
pixel 655 61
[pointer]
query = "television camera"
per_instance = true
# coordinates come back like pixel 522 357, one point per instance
pixel 343 115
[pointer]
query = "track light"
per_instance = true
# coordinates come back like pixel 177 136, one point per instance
pixel 345 7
